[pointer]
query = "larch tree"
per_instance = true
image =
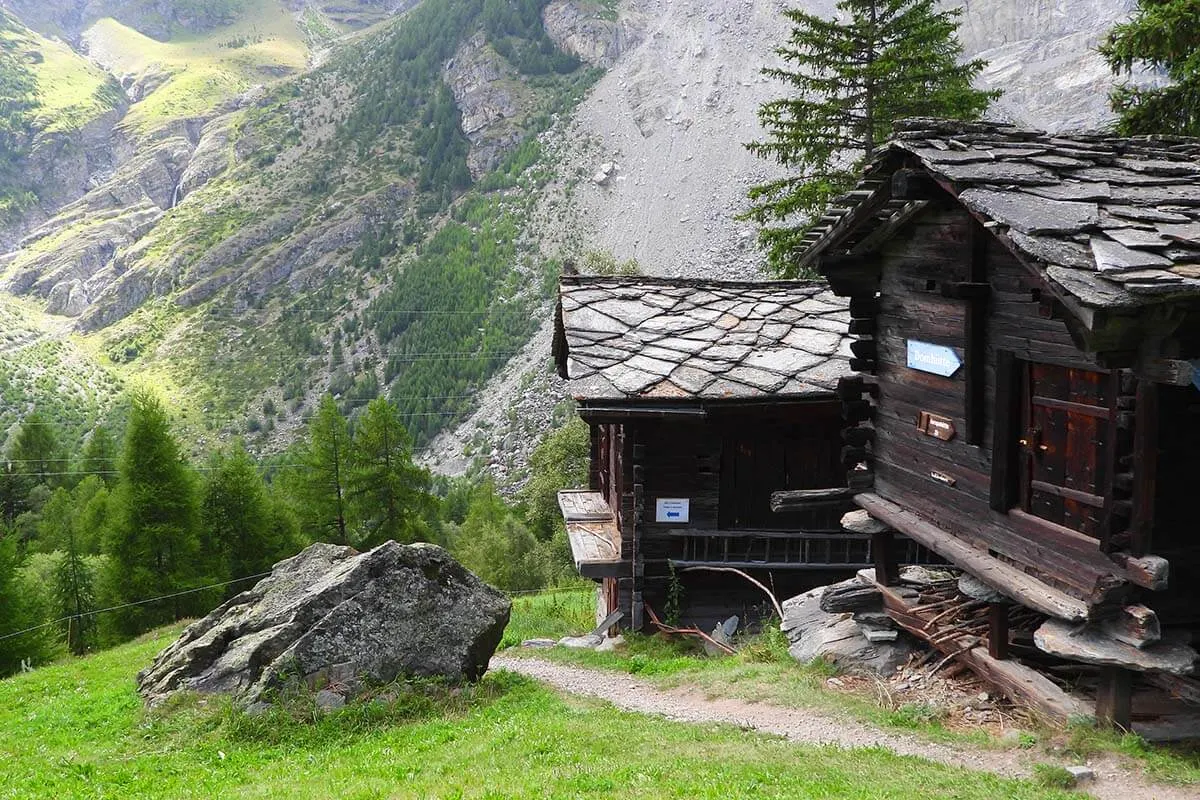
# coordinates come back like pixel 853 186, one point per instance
pixel 389 492
pixel 1163 35
pixel 851 78
pixel 237 517
pixel 326 467
pixel 153 543
pixel 99 456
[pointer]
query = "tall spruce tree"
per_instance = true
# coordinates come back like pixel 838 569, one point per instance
pixel 323 503
pixel 852 77
pixel 389 492
pixel 1163 35
pixel 153 543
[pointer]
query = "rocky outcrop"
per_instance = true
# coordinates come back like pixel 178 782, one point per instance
pixel 490 96
pixel 862 640
pixel 1042 54
pixel 335 619
pixel 589 31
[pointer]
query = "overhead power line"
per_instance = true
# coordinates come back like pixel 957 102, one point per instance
pixel 131 604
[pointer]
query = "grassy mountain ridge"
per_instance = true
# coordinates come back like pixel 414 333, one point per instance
pixel 313 232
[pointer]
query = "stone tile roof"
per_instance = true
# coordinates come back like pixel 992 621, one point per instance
pixel 628 338
pixel 1114 222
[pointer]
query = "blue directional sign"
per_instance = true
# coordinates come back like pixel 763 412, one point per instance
pixel 933 358
pixel 1196 374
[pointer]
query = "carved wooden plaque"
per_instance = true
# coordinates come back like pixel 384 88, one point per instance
pixel 937 426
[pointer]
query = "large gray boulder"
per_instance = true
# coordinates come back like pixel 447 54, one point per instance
pixel 335 619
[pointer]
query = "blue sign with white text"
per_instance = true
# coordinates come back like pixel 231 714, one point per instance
pixel 936 359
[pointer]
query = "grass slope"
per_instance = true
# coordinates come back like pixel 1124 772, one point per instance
pixel 78 730
pixel 202 70
pixel 71 91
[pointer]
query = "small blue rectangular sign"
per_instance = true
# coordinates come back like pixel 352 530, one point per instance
pixel 933 358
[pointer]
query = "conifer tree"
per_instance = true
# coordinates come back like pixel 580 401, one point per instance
pixel 851 78
pixel 153 544
pixel 75 590
pixel 36 450
pixel 389 492
pixel 237 517
pixel 1164 35
pixel 100 455
pixel 326 460
pixel 19 611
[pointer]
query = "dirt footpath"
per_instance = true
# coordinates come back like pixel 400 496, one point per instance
pixel 1112 781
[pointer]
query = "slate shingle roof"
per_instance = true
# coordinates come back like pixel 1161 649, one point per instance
pixel 625 338
pixel 1114 222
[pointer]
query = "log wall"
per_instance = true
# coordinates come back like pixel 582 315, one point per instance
pixel 946 281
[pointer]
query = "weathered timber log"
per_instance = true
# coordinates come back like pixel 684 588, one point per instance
pixel 1135 625
pixel 1018 682
pixel 811 498
pixel 1185 689
pixel 1149 572
pixel 1168 371
pixel 847 596
pixel 1009 580
pixel 1091 645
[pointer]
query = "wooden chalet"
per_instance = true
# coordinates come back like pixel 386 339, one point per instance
pixel 704 398
pixel 1026 320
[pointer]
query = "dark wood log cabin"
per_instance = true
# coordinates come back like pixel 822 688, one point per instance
pixel 1026 313
pixel 704 398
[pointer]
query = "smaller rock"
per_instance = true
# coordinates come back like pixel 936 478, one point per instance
pixel 862 522
pixel 329 701
pixel 610 644
pixel 589 642
pixel 1081 773
pixel 918 575
pixel 976 589
pixel 257 708
pixel 540 644
pixel 722 634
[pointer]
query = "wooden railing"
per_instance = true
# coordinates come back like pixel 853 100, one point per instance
pixel 776 549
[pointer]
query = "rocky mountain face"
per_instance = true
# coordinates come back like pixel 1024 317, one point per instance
pixel 250 182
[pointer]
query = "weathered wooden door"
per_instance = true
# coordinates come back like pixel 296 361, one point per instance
pixel 1067 446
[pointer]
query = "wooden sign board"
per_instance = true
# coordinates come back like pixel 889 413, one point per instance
pixel 671 509
pixel 937 426
pixel 936 359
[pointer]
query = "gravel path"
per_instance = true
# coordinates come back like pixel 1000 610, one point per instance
pixel 1112 782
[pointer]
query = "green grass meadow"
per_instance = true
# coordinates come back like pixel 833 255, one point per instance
pixel 78 730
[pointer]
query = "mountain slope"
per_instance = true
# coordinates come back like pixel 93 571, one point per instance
pixel 259 246
pixel 284 198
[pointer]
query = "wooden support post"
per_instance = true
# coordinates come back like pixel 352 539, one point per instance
pixel 883 549
pixel 998 631
pixel 1114 698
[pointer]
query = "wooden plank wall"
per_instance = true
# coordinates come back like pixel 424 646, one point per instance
pixel 685 458
pixel 912 468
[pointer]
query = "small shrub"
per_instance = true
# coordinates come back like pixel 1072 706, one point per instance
pixel 916 715
pixel 1053 776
